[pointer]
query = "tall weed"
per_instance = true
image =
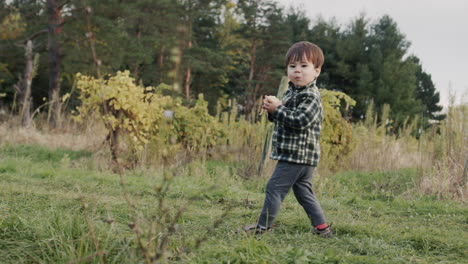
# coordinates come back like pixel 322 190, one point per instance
pixel 377 148
pixel 447 146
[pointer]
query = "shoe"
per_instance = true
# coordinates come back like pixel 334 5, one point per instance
pixel 327 232
pixel 254 229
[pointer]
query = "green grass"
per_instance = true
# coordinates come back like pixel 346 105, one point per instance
pixel 378 217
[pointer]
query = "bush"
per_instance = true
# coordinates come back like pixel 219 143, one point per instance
pixel 336 139
pixel 142 118
pixel 146 125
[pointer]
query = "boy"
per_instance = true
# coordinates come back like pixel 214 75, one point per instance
pixel 295 143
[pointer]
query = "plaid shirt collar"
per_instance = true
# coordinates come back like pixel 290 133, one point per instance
pixel 300 88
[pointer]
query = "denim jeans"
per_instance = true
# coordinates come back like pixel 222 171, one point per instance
pixel 285 176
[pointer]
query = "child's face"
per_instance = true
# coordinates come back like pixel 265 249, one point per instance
pixel 302 72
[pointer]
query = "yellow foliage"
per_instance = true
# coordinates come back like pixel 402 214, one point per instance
pixel 163 125
pixel 12 26
pixel 336 139
pixel 140 113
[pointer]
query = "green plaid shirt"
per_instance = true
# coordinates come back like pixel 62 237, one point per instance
pixel 298 122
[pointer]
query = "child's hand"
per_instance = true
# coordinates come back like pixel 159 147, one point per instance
pixel 270 103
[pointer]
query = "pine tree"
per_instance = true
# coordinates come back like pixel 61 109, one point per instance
pixel 298 25
pixel 203 60
pixel 426 92
pixel 394 77
pixel 264 27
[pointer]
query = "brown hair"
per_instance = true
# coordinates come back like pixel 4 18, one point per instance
pixel 312 52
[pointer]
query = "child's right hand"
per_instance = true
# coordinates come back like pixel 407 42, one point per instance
pixel 270 103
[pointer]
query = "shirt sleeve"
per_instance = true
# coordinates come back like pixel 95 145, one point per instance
pixel 306 113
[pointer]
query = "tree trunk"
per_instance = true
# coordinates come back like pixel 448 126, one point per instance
pixel 136 69
pixel 188 74
pixel 177 57
pixel 90 36
pixel 113 137
pixel 25 88
pixel 55 60
pixel 256 93
pixel 115 140
pixel 253 56
pixel 161 57
pixel 161 62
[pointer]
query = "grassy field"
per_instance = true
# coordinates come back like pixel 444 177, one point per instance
pixel 378 217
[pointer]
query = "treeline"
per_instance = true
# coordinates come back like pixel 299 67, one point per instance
pixel 221 48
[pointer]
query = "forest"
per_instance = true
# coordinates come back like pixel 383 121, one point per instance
pixel 223 49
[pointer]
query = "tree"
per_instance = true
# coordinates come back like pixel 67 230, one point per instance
pixel 16 28
pixel 12 26
pixel 203 61
pixel 326 35
pixel 426 92
pixel 394 77
pixel 270 66
pixel 368 63
pixel 253 14
pixel 23 88
pixel 54 24
pixel 298 25
pixel 264 28
pixel 352 64
pixel 222 48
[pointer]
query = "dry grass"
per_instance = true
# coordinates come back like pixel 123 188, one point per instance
pixel 376 148
pixel 70 135
pixel 440 154
pixel 445 180
pixel 374 153
pixel 449 149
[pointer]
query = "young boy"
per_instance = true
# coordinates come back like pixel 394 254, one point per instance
pixel 295 144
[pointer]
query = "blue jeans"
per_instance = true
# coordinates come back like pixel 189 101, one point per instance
pixel 285 176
